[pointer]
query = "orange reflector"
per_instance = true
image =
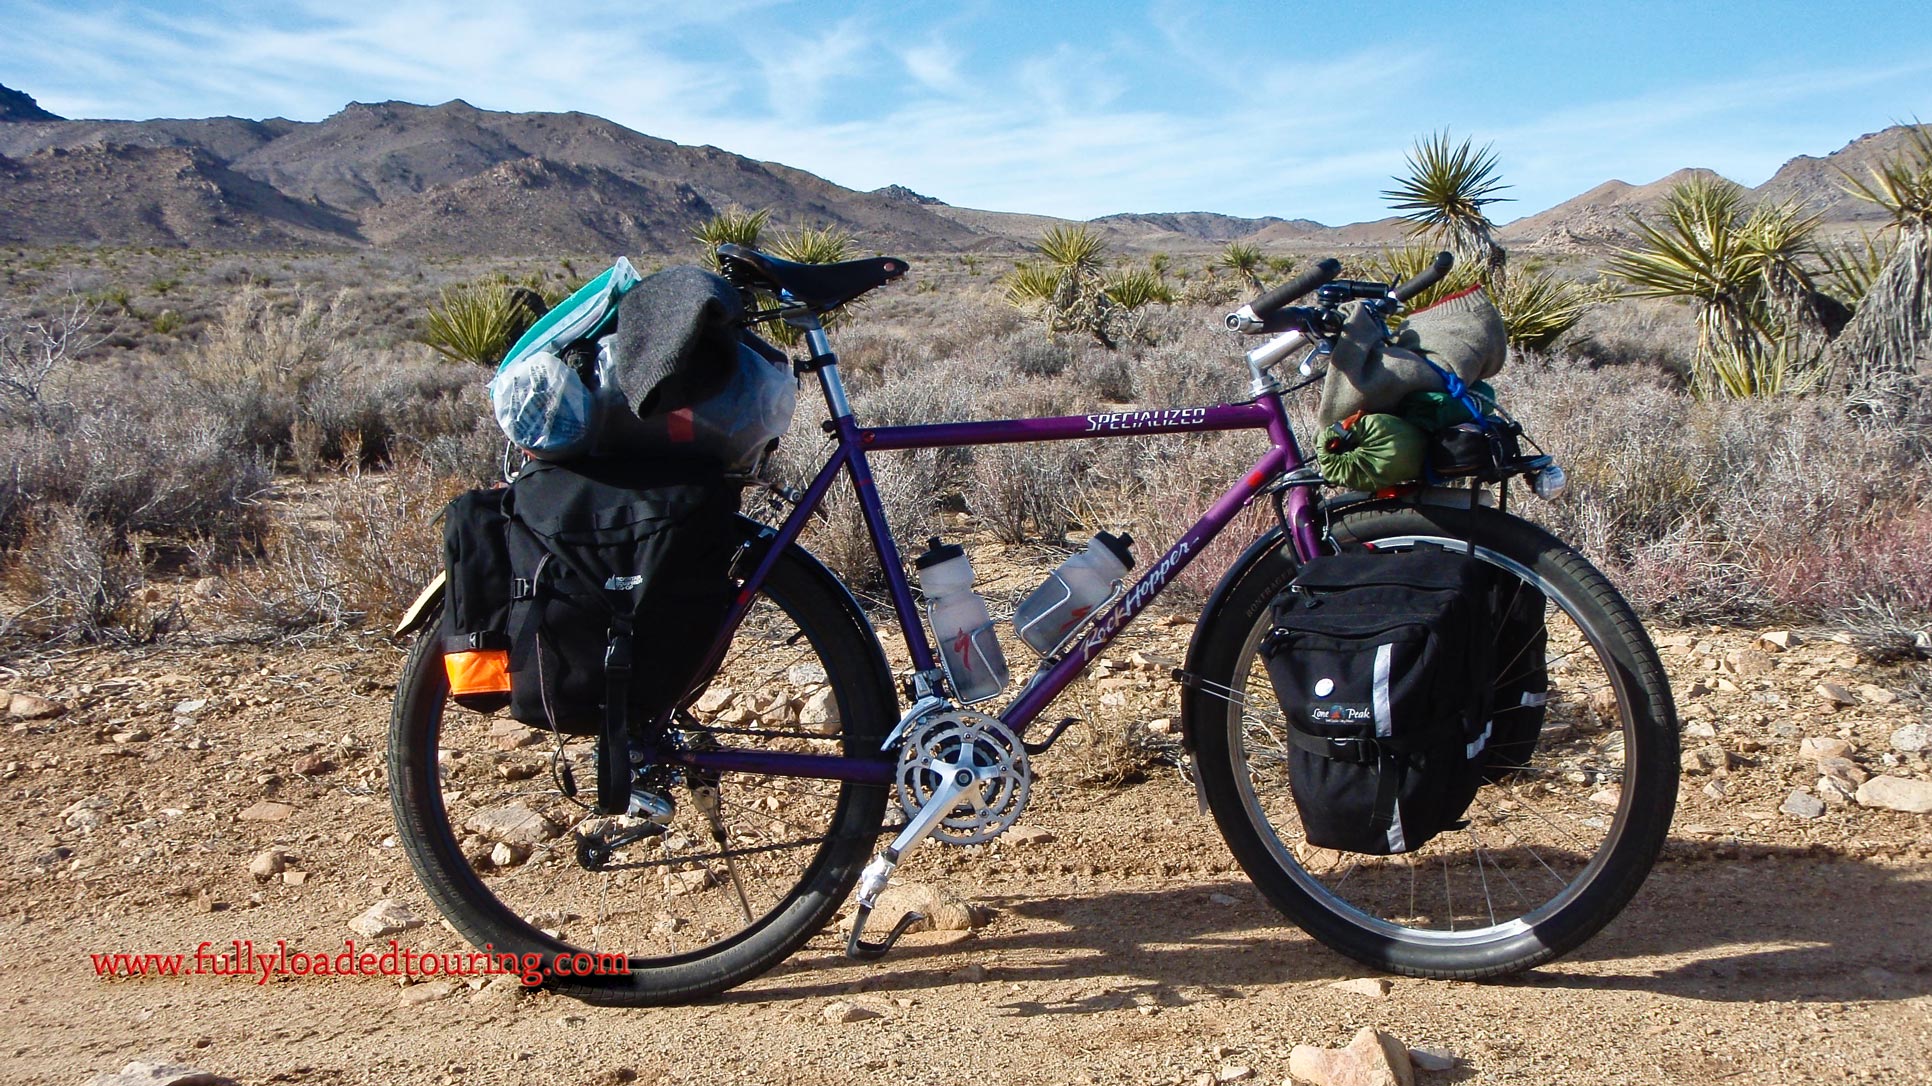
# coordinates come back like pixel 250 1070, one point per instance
pixel 483 671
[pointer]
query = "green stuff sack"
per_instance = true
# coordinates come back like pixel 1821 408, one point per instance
pixel 1433 411
pixel 1369 452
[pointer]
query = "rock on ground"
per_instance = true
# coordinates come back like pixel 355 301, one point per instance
pixel 942 909
pixel 1372 987
pixel 385 917
pixel 515 824
pixel 268 864
pixel 1802 804
pixel 142 1073
pixel 1897 794
pixel 1912 738
pixel 842 1011
pixel 1372 1058
pixel 33 707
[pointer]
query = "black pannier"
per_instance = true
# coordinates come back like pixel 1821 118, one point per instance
pixel 1383 666
pixel 476 608
pixel 603 549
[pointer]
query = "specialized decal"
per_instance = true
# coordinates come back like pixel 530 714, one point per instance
pixel 1141 420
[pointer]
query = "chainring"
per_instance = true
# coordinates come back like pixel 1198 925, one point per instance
pixel 962 738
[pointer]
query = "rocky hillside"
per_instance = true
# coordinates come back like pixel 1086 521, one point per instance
pixel 456 179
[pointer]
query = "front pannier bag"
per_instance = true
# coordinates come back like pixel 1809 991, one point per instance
pixel 1381 662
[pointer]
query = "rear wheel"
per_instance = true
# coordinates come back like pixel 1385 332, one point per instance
pixel 1553 850
pixel 750 866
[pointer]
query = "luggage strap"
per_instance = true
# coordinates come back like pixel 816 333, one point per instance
pixel 614 746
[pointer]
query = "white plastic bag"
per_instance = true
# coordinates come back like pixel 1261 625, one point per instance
pixel 543 406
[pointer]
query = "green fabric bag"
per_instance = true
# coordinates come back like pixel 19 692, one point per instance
pixel 1376 451
pixel 1433 411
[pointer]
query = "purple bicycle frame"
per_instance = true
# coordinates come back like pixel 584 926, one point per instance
pixel 854 443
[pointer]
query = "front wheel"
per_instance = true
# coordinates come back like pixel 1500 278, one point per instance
pixel 1554 847
pixel 747 869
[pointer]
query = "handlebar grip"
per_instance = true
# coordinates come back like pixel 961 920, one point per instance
pixel 1429 278
pixel 1322 272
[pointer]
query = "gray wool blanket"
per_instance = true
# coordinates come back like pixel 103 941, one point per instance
pixel 1463 335
pixel 677 339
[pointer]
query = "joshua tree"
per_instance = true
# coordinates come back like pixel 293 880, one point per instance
pixel 1066 283
pixel 1443 197
pixel 1880 349
pixel 1744 271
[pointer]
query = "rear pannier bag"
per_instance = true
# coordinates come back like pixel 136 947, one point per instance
pixel 1381 662
pixel 599 549
pixel 476 607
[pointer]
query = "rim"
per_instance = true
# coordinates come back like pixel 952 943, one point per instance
pixel 1535 841
pixel 667 899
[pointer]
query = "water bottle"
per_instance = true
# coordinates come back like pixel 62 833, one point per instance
pixel 1072 592
pixel 960 621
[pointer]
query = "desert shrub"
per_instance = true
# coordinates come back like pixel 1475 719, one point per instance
pixel 358 552
pixel 1023 492
pixel 130 469
pixel 907 484
pixel 260 362
pixel 1729 511
pixel 79 581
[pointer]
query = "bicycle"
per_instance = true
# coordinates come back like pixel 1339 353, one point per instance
pixel 758 817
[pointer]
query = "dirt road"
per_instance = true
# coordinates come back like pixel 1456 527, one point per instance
pixel 1767 948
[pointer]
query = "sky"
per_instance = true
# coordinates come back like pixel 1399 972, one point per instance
pixel 1070 108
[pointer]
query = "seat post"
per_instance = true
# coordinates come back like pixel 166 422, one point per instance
pixel 825 363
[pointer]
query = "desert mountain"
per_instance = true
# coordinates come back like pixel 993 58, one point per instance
pixel 16 106
pixel 456 179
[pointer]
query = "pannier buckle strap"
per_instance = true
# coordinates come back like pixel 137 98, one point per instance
pixel 617 654
pixel 1356 750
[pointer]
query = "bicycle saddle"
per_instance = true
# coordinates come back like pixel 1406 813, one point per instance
pixel 818 286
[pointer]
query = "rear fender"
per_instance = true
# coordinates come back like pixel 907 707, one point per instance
pixel 426 602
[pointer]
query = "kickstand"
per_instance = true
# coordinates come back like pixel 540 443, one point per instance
pixel 857 947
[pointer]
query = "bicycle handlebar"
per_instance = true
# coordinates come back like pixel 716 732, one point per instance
pixel 1430 277
pixel 1271 312
pixel 1251 315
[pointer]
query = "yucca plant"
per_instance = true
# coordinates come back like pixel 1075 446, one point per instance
pixel 1075 251
pixel 1074 259
pixel 1132 292
pixel 1850 268
pixel 1443 197
pixel 1539 306
pixel 1244 260
pixel 1031 285
pixel 814 245
pixel 478 322
pixel 1878 349
pixel 1744 273
pixel 1136 288
pixel 732 226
